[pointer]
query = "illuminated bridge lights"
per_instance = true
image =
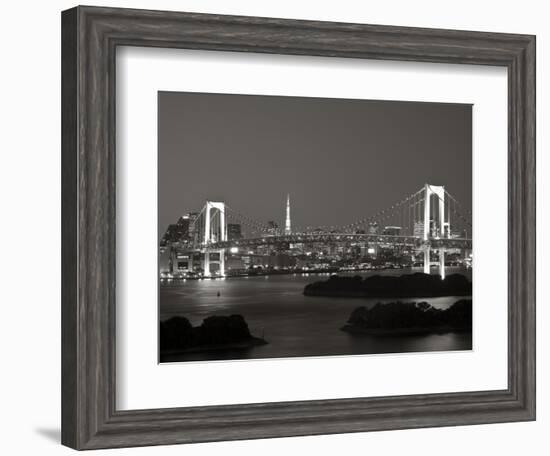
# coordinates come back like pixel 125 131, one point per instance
pixel 417 242
pixel 426 214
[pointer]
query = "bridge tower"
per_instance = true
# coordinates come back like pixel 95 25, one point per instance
pixel 214 230
pixel 443 227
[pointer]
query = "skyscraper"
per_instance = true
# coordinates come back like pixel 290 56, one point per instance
pixel 177 232
pixel 287 221
pixel 418 230
pixel 272 228
pixel 234 231
pixel 392 230
pixel 373 228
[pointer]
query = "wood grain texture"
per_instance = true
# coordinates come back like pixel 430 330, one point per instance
pixel 69 228
pixel 89 39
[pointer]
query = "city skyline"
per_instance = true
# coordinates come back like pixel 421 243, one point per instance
pixel 271 227
pixel 278 146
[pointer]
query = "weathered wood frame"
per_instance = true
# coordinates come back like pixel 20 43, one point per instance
pixel 90 36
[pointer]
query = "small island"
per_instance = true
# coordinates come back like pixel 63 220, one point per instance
pixel 219 332
pixel 410 318
pixel 416 285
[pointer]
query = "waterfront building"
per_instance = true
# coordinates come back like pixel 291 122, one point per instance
pixel 181 231
pixel 392 231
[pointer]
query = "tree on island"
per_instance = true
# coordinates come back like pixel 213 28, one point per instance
pixel 397 316
pixel 405 286
pixel 177 333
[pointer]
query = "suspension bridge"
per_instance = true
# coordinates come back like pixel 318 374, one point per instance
pixel 427 220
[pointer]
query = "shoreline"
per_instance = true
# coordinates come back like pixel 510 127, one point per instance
pixel 404 286
pixel 253 342
pixel 389 295
pixel 332 271
pixel 416 331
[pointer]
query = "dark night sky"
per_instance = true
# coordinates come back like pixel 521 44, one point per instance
pixel 340 160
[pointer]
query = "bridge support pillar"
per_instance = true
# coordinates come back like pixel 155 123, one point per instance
pixel 427 260
pixel 208 261
pixel 222 262
pixel 442 263
pixel 206 267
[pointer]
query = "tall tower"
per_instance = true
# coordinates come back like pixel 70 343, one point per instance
pixel 287 221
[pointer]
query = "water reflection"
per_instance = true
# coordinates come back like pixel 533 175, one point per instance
pixel 293 324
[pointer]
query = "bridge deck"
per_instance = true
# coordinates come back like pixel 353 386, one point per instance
pixel 313 238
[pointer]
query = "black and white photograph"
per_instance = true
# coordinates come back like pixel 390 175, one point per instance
pixel 297 227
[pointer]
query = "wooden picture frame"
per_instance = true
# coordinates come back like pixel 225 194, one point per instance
pixel 90 36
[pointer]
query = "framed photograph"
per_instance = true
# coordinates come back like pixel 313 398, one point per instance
pixel 283 282
pixel 279 228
